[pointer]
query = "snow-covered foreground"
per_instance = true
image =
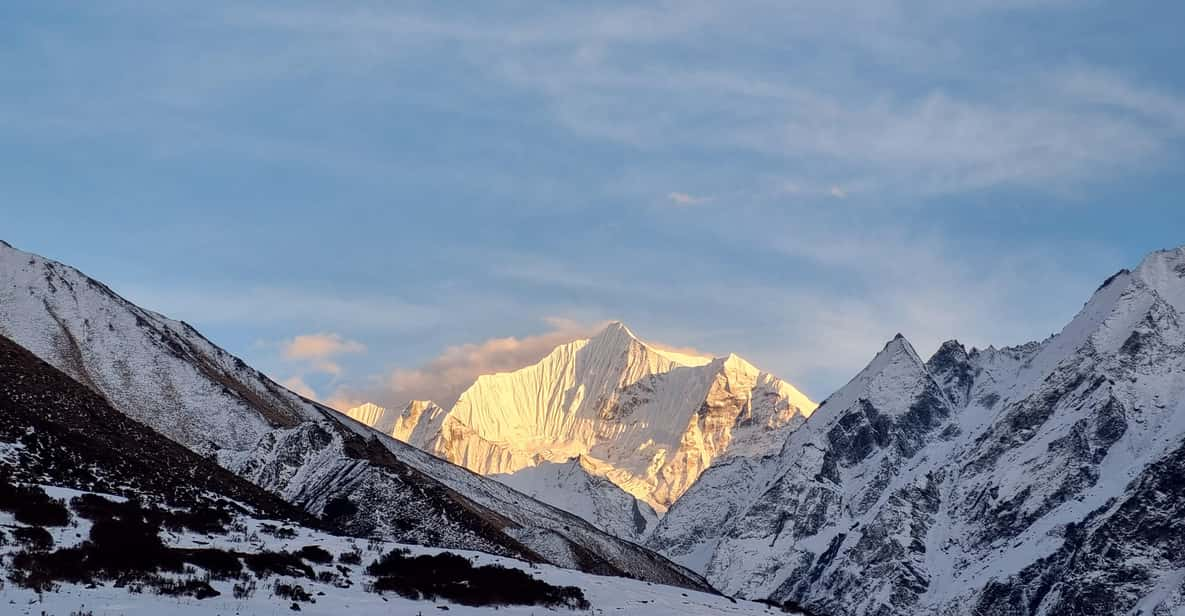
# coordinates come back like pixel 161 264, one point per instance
pixel 607 595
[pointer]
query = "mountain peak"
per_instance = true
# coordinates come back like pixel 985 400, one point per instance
pixel 1164 272
pixel 889 378
pixel 899 345
pixel 616 337
pixel 615 334
pixel 951 368
pixel 617 328
pixel 950 352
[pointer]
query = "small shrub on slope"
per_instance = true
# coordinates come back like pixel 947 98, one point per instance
pixel 31 505
pixel 452 577
pixel 34 537
pixel 278 563
pixel 316 554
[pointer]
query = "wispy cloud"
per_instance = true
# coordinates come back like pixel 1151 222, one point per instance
pixel 293 306
pixel 681 198
pixel 1105 88
pixel 1014 128
pixel 320 346
pixel 309 355
pixel 318 350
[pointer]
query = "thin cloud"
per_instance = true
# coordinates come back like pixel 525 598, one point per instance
pixel 320 346
pixel 290 306
pixel 316 352
pixel 681 198
pixel 1104 88
pixel 681 350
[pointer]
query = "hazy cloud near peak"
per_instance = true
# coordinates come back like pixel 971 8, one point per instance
pixel 443 378
pixel 314 353
pixel 320 346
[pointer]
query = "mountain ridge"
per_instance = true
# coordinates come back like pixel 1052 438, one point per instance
pixel 984 480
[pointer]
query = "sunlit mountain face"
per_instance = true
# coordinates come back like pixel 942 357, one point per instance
pixel 648 419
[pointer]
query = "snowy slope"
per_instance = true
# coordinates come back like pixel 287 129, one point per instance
pixel 648 419
pixel 584 492
pixel 1041 479
pixel 164 374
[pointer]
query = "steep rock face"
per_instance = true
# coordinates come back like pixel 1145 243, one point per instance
pixel 55 431
pixel 649 420
pixel 165 375
pixel 587 494
pixel 156 370
pixel 842 465
pixel 1039 479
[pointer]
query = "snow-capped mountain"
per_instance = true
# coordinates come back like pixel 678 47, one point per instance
pixel 583 490
pixel 165 375
pixel 1042 479
pixel 98 513
pixel 648 419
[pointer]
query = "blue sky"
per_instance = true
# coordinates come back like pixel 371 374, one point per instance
pixel 377 200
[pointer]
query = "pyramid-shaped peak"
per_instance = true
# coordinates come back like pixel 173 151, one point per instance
pixel 615 332
pixel 738 363
pixel 619 328
pixel 899 345
pixel 617 337
pixel 613 340
pixel 888 381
